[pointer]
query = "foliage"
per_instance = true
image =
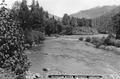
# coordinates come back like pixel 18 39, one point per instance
pixel 66 19
pixel 84 31
pixel 73 22
pixel 104 41
pixel 88 39
pixel 35 18
pixel 33 37
pixel 23 15
pixel 12 56
pixel 81 38
pixel 30 19
pixel 110 40
pixel 77 26
pixel 67 30
pixel 104 23
pixel 84 22
pixel 116 24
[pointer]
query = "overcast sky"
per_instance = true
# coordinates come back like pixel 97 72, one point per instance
pixel 59 7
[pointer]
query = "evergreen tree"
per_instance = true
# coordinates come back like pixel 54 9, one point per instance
pixel 66 19
pixel 116 24
pixel 37 17
pixel 15 10
pixel 24 15
pixel 73 22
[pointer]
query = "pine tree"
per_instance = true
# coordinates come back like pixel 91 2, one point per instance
pixel 24 15
pixel 66 19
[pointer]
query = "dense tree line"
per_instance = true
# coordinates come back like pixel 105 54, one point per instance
pixel 34 17
pixel 104 23
pixel 108 23
pixel 74 25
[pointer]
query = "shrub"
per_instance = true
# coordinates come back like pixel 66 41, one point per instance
pixel 12 56
pixel 81 38
pixel 88 39
pixel 110 41
pixel 98 41
pixel 32 36
pixel 110 48
pixel 117 43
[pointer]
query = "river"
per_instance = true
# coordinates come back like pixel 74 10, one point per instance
pixel 68 55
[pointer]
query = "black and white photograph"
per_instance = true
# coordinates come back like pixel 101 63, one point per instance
pixel 59 39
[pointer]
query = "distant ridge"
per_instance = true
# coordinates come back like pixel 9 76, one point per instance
pixel 93 12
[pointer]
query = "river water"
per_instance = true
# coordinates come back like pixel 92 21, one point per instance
pixel 68 55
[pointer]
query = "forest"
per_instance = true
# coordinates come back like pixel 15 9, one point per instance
pixel 36 23
pixel 25 24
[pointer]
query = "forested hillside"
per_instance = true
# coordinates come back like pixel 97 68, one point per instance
pixel 104 23
pixel 93 12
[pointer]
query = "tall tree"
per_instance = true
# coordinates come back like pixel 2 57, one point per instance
pixel 73 22
pixel 37 16
pixel 116 24
pixel 15 9
pixel 24 14
pixel 66 19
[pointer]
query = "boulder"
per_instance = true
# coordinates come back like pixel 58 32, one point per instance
pixel 102 47
pixel 31 75
pixel 110 48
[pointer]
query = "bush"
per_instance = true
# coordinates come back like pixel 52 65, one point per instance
pixel 88 39
pixel 117 43
pixel 98 41
pixel 81 38
pixel 67 30
pixel 110 48
pixel 32 36
pixel 108 41
pixel 12 56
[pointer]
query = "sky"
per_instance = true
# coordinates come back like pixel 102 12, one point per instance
pixel 60 7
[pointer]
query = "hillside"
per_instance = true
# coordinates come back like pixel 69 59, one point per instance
pixel 104 22
pixel 93 12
